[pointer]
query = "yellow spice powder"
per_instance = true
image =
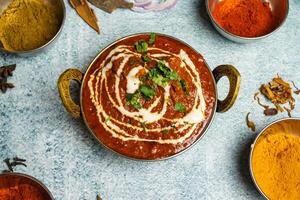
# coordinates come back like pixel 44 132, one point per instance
pixel 28 24
pixel 276 166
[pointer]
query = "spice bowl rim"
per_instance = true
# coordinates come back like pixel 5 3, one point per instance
pixel 253 146
pixel 47 44
pixel 35 180
pixel 241 39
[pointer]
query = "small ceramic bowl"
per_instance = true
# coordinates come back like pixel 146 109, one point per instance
pixel 280 9
pixel 285 126
pixel 62 13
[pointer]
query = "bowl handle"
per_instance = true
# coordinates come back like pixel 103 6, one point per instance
pixel 63 85
pixel 234 78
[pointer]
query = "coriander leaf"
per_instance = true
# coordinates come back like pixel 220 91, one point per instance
pixel 152 38
pixel 165 131
pixel 183 86
pixel 129 96
pixel 107 119
pixel 134 100
pixel 167 72
pixel 153 73
pixel 172 75
pixel 143 124
pixel 147 91
pixel 179 107
pixel 141 46
pixel 163 68
pixel 145 58
pixel 160 80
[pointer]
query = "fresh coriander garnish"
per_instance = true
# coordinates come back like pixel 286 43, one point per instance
pixel 184 86
pixel 153 73
pixel 165 131
pixel 160 80
pixel 152 38
pixel 147 91
pixel 107 119
pixel 173 75
pixel 143 124
pixel 163 68
pixel 134 100
pixel 141 46
pixel 167 72
pixel 179 107
pixel 173 126
pixel 161 75
pixel 146 58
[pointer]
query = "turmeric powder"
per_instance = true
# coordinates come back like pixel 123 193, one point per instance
pixel 28 24
pixel 276 165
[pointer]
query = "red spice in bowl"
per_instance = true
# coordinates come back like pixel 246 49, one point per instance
pixel 20 186
pixel 246 18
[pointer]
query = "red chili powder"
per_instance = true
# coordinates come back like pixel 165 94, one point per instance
pixel 246 18
pixel 13 187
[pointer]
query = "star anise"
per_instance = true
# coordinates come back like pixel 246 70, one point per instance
pixel 5 72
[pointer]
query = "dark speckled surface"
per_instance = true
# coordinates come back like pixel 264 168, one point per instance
pixel 62 154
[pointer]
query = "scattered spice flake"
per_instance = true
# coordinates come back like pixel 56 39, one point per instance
pixel 111 5
pixel 270 111
pixel 297 91
pixel 292 104
pixel 262 105
pixel 279 108
pixel 277 91
pixel 250 124
pixel 86 13
pixel 288 111
pixel 256 95
pixel 5 86
pixel 98 197
pixel 6 71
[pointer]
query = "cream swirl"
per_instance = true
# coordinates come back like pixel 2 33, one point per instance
pixel 108 80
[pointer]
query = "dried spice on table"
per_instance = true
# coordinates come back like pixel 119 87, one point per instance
pixel 111 5
pixel 250 123
pixel 5 72
pixel 297 91
pixel 280 93
pixel 86 13
pixel 15 161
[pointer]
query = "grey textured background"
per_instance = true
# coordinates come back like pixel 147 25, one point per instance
pixel 63 155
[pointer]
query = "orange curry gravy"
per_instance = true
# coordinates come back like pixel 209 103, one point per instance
pixel 148 105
